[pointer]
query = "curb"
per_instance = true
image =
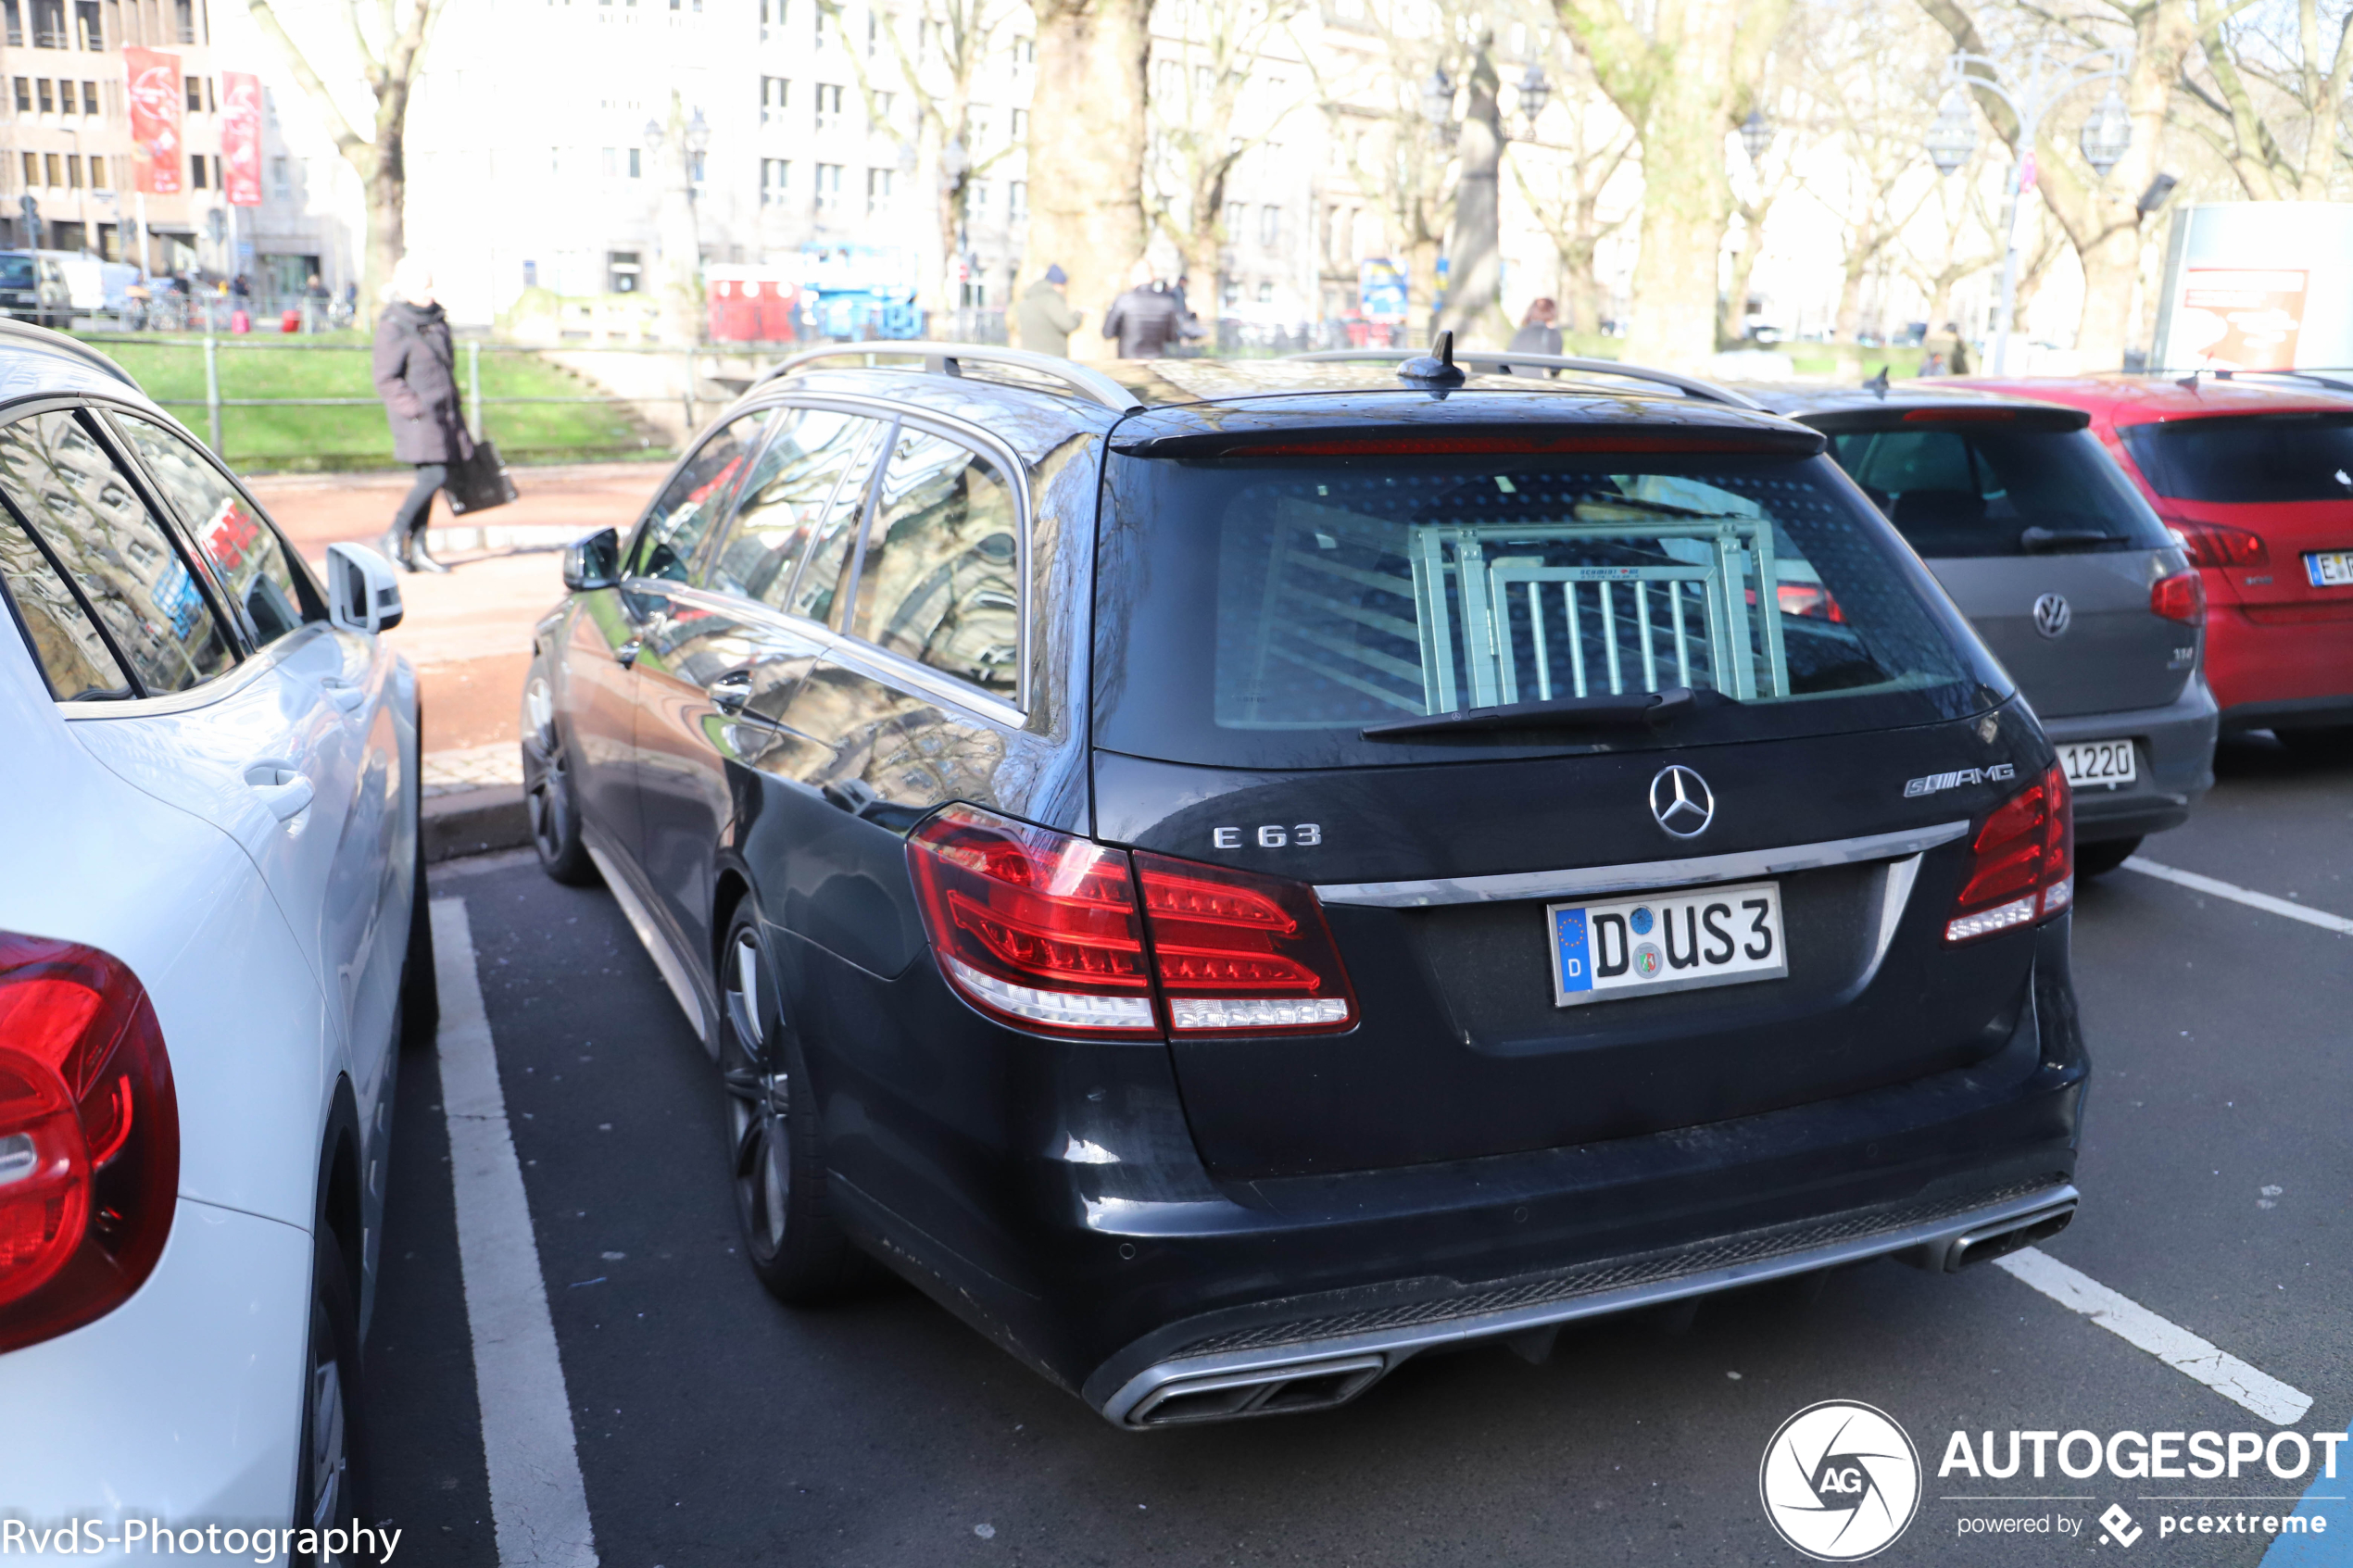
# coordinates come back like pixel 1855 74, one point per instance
pixel 475 822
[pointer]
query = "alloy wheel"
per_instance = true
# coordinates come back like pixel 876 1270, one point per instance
pixel 759 1103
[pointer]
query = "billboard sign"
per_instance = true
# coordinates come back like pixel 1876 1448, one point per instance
pixel 1381 290
pixel 241 138
pixel 2258 286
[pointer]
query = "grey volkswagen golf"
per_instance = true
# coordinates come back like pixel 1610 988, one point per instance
pixel 2065 572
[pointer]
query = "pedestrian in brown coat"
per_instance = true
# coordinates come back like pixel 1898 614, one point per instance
pixel 416 376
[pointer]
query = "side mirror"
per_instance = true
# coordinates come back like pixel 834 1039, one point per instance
pixel 593 562
pixel 363 592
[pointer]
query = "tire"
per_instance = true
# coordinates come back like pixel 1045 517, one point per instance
pixel 550 802
pixel 2101 857
pixel 330 1476
pixel 2331 743
pixel 776 1161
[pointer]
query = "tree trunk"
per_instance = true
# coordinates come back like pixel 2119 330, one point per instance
pixel 1687 205
pixel 1087 155
pixel 387 195
pixel 1474 277
pixel 1848 326
pixel 1582 285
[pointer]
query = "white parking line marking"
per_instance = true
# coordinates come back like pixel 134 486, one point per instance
pixel 2246 896
pixel 536 1500
pixel 2169 1342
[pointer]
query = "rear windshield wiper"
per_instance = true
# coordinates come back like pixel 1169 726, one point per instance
pixel 2052 541
pixel 1634 711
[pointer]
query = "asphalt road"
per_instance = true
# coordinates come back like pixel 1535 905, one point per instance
pixel 715 1427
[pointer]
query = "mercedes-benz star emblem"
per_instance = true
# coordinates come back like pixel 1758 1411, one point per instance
pixel 1682 801
pixel 2051 614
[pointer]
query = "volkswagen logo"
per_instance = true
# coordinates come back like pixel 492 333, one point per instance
pixel 1839 1481
pixel 1682 801
pixel 2051 614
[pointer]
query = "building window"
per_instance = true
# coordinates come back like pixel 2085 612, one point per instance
pixel 92 31
pixel 884 103
pixel 531 274
pixel 621 271
pixel 90 99
pixel 184 16
pixel 694 166
pixel 49 24
pixel 1021 125
pixel 57 174
pixel 1266 293
pixel 1018 199
pixel 16 23
pixel 196 173
pixel 24 94
pixel 97 172
pixel 612 162
pixel 775 179
pixel 828 181
pixel 49 96
pixel 32 169
pixel 73 172
pixel 1270 225
pixel 196 94
pixel 775 96
pixel 637 163
pixel 828 105
pixel 1024 52
pixel 772 12
pixel 280 182
pixel 877 190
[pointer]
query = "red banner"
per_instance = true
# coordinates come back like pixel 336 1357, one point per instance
pixel 241 137
pixel 155 107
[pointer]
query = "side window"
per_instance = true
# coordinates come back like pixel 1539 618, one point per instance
pixel 693 500
pixel 786 502
pixel 816 592
pixel 64 641
pixel 940 579
pixel 115 552
pixel 244 550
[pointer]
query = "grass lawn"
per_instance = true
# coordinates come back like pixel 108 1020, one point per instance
pixel 171 368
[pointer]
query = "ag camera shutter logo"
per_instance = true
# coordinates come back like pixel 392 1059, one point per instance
pixel 1840 1481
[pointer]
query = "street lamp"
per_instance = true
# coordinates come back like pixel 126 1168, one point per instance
pixel 1953 139
pixel 1438 100
pixel 1757 135
pixel 1534 94
pixel 2046 80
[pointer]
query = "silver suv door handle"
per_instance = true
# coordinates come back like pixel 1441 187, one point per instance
pixel 283 787
pixel 343 694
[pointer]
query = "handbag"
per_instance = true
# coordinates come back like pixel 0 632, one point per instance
pixel 480 483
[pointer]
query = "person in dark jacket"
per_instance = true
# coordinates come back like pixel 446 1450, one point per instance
pixel 1144 319
pixel 1538 333
pixel 416 376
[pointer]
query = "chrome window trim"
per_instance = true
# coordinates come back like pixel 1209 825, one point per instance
pixel 248 668
pixel 1739 865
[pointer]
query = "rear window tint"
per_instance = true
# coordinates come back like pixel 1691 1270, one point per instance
pixel 1958 491
pixel 73 656
pixel 2248 458
pixel 245 551
pixel 1355 592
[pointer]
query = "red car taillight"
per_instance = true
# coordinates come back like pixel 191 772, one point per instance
pixel 2022 866
pixel 89 1137
pixel 1810 600
pixel 2180 598
pixel 1044 930
pixel 2219 544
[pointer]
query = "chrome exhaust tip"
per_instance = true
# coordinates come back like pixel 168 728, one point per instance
pixel 1308 1385
pixel 1989 1242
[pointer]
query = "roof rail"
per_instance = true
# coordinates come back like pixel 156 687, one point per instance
pixel 943 358
pixel 1503 359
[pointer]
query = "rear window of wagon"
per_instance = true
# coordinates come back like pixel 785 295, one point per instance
pixel 1260 612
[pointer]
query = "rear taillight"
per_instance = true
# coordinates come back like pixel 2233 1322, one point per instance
pixel 1045 931
pixel 2021 865
pixel 2180 598
pixel 89 1137
pixel 2219 544
pixel 1809 600
pixel 1233 950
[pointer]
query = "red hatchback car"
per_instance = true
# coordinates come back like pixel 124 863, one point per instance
pixel 2256 477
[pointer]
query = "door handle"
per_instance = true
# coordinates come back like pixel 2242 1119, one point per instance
pixel 283 787
pixel 626 654
pixel 343 694
pixel 731 692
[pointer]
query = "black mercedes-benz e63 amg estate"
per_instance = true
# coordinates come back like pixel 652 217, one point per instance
pixel 1231 874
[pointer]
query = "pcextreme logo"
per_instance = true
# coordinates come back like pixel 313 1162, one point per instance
pixel 1839 1481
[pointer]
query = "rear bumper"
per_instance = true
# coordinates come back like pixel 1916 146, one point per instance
pixel 1091 1242
pixel 2287 673
pixel 2176 748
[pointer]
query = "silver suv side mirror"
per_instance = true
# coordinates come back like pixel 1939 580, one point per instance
pixel 593 562
pixel 363 592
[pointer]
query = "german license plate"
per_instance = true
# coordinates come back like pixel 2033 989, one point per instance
pixel 2330 568
pixel 2108 762
pixel 1656 942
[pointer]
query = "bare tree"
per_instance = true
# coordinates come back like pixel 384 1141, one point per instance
pixel 1564 192
pixel 1683 75
pixel 389 37
pixel 2100 216
pixel 1198 107
pixel 1876 89
pixel 1086 141
pixel 1474 240
pixel 953 42
pixel 2275 113
pixel 1955 239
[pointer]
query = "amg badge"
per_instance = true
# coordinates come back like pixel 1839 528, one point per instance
pixel 2000 773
